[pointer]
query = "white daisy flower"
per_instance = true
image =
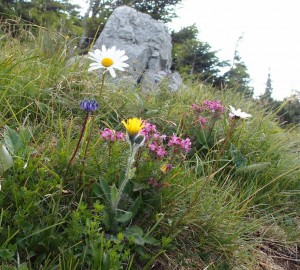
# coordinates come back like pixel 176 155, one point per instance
pixel 238 113
pixel 109 59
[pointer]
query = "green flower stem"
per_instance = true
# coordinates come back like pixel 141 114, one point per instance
pixel 133 148
pixel 229 133
pixel 102 85
pixel 211 175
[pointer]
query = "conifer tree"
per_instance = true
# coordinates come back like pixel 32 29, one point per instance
pixel 266 97
pixel 194 57
pixel 237 77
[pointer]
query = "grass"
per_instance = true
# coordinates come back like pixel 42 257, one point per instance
pixel 213 210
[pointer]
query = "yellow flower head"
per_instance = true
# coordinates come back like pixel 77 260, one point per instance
pixel 133 126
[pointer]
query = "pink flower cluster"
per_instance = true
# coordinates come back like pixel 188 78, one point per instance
pixel 155 141
pixel 214 105
pixel 209 108
pixel 180 143
pixel 111 135
pixel 209 105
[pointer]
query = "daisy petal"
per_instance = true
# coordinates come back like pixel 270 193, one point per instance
pixel 112 72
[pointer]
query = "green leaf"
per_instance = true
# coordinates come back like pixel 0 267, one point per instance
pixel 134 230
pixel 6 160
pixel 42 106
pixel 96 188
pixel 238 159
pixel 113 194
pixel 131 173
pixel 153 258
pixel 137 239
pixel 140 186
pixel 25 135
pixel 12 140
pixel 127 216
pixel 136 205
pixel 254 167
pixel 105 261
pixel 151 240
pixel 105 189
pixel 201 137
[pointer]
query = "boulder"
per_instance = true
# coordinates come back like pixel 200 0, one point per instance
pixel 146 42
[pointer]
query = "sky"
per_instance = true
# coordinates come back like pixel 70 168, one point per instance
pixel 270 31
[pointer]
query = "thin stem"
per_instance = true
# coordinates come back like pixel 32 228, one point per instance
pixel 79 140
pixel 102 85
pixel 229 133
pixel 130 161
pixel 87 144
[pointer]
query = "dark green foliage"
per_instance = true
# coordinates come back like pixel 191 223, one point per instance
pixel 288 110
pixel 238 78
pixel 194 57
pixel 59 15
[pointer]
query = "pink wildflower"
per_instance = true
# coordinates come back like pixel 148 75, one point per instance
pixel 153 146
pixel 169 167
pixel 150 127
pixel 186 144
pixel 160 152
pixel 108 134
pixel 174 140
pixel 214 105
pixel 120 136
pixel 156 135
pixel 197 108
pixel 163 137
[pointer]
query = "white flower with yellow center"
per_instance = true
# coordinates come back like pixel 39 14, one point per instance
pixel 109 59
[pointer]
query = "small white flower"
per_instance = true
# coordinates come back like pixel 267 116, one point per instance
pixel 238 113
pixel 109 59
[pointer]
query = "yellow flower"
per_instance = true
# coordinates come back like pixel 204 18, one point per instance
pixel 133 126
pixel 163 168
pixel 166 168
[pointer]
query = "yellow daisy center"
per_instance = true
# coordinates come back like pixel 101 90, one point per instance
pixel 133 125
pixel 107 62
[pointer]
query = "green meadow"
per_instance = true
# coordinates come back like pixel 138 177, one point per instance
pixel 85 188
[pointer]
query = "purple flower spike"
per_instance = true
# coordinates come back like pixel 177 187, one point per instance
pixel 89 105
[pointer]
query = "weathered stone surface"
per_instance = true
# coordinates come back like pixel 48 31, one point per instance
pixel 147 43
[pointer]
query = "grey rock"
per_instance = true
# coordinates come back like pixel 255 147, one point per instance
pixel 146 42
